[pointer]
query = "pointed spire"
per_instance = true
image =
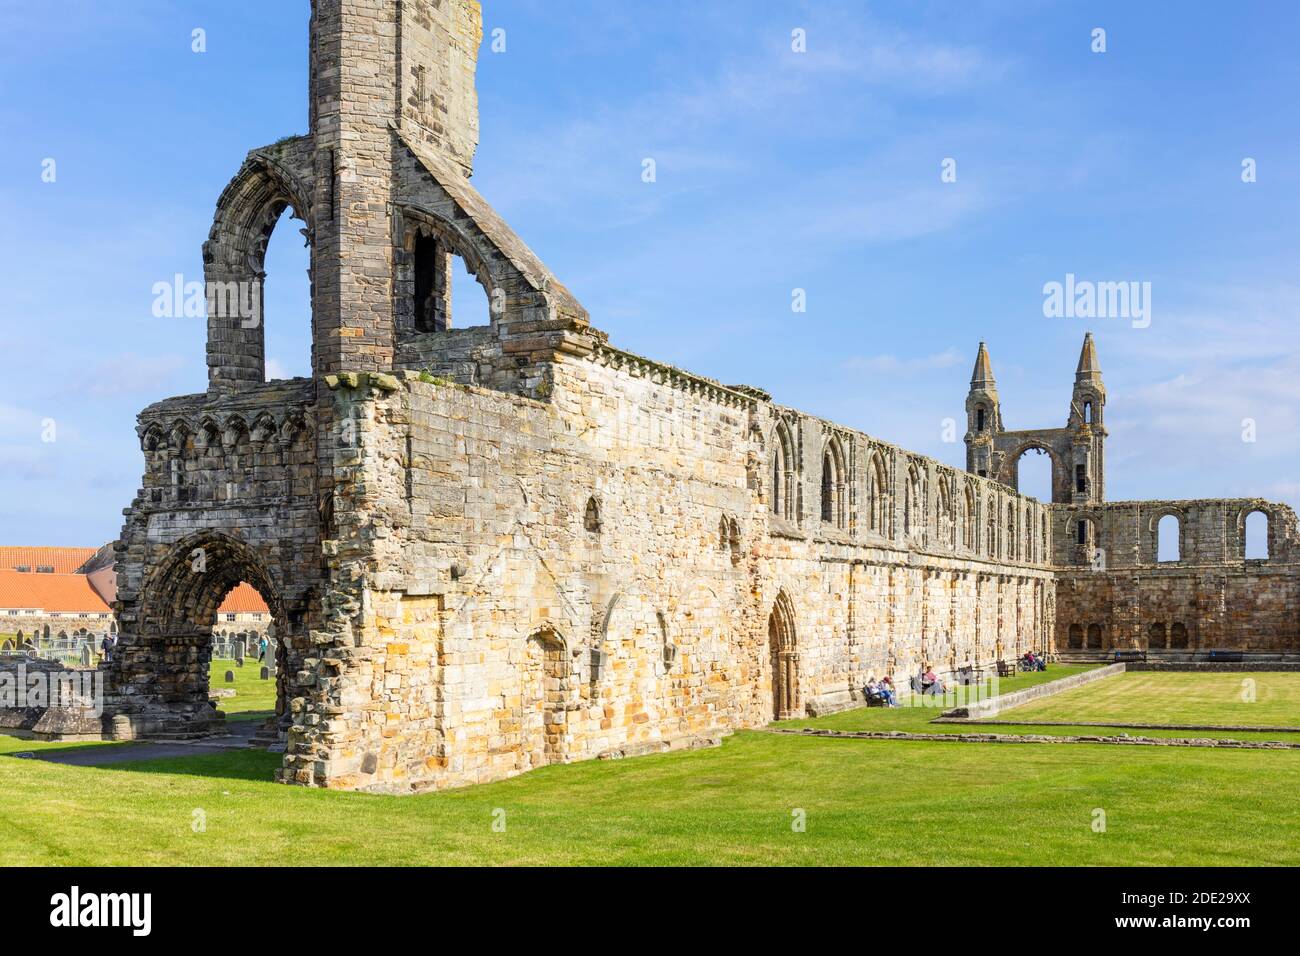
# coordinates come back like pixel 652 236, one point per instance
pixel 982 377
pixel 1089 367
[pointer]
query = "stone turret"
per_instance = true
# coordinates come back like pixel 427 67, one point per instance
pixel 983 416
pixel 1087 411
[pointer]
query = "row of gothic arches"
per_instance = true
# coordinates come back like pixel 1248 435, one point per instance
pixel 1161 635
pixel 1167 539
pixel 1017 531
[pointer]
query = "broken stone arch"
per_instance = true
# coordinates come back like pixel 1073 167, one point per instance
pixel 269 182
pixel 450 239
pixel 1010 475
pixel 163 664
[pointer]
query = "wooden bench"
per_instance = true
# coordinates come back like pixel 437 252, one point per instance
pixel 1225 656
pixel 1006 668
pixel 1130 656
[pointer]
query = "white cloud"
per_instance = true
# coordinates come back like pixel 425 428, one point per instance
pixel 892 364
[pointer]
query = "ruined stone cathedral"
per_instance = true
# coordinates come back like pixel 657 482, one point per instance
pixel 491 548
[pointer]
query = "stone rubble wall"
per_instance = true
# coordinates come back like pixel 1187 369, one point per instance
pixel 491 597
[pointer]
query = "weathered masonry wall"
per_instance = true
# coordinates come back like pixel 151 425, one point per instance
pixel 1120 595
pixel 228 495
pixel 598 572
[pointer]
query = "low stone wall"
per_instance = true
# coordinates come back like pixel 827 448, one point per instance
pixel 1121 739
pixel 995 705
pixel 1217 667
pixel 19 676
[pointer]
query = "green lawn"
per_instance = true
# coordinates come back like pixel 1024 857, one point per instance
pixel 883 802
pixel 878 802
pixel 1175 698
pixel 918 719
pixel 254 698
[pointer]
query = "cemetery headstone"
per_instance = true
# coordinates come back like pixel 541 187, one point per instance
pixel 230 677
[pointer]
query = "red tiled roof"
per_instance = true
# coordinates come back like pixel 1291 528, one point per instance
pixel 244 599
pixel 65 593
pixel 63 560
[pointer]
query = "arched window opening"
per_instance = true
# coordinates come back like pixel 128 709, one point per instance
pixel 913 508
pixel 446 291
pixel 1156 636
pixel 1076 636
pixel 829 482
pixel 1169 532
pixel 1081 479
pixel 285 309
pixel 591 519
pixel 979 419
pixel 1011 531
pixel 1087 413
pixel 783 473
pixel 1255 537
pixel 1034 474
pixel 877 495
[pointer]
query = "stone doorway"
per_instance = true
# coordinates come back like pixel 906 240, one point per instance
pixel 782 641
pixel 161 666
pixel 543 691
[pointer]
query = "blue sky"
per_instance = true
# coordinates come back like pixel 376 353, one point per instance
pixel 775 171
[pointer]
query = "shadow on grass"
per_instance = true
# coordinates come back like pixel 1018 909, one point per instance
pixel 254 765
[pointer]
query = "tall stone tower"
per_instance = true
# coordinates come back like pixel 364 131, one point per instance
pixel 983 416
pixel 1088 433
pixel 1076 450
pixel 284 484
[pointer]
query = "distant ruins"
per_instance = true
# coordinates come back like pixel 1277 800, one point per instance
pixel 490 548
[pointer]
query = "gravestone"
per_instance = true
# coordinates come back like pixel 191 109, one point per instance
pixel 266 673
pixel 85 655
pixel 230 677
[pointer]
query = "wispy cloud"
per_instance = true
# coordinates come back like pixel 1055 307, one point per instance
pixel 893 365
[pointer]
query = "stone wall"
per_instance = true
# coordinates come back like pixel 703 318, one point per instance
pixel 1113 592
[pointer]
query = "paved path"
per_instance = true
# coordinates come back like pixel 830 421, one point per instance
pixel 99 756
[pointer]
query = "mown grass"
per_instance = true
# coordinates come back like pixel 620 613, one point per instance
pixel 1230 699
pixel 865 802
pixel 254 698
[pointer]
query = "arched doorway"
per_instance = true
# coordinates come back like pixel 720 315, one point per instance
pixel 785 659
pixel 1156 640
pixel 1076 636
pixel 542 697
pixel 1178 636
pixel 162 665
pixel 1095 638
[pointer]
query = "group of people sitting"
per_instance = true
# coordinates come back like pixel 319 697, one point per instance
pixel 1033 661
pixel 882 692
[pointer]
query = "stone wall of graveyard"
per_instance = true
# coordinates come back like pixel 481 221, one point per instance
pixel 1113 592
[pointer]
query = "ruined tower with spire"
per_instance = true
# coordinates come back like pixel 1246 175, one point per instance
pixel 1077 449
pixel 489 547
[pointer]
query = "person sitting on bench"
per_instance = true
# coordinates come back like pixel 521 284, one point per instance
pixel 872 693
pixel 887 691
pixel 930 683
